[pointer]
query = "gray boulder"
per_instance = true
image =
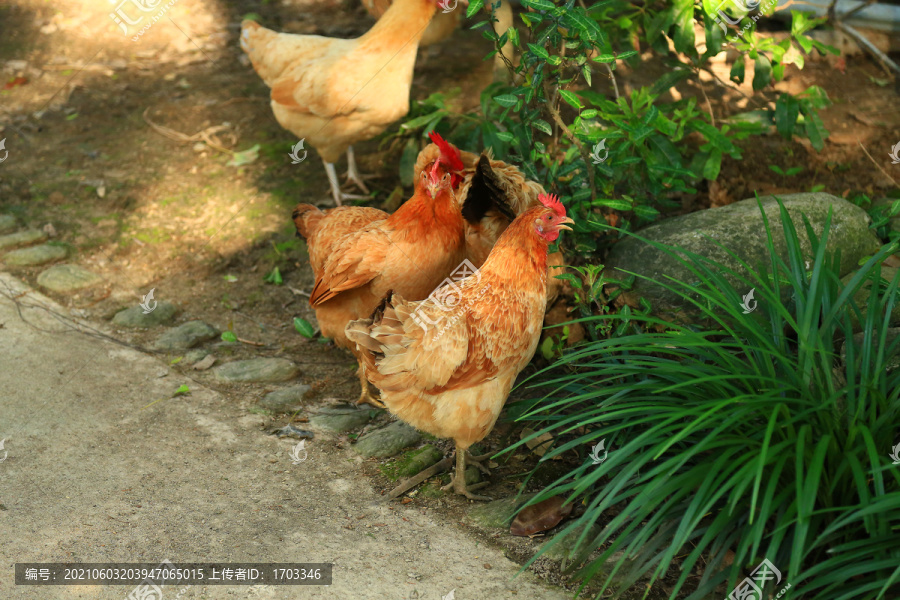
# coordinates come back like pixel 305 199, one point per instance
pixel 339 419
pixel 740 228
pixel 35 255
pixel 286 399
pixel 187 335
pixel 134 316
pixel 387 441
pixel 257 369
pixel 22 238
pixel 67 278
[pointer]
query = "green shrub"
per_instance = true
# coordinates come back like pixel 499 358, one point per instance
pixel 766 435
pixel 632 153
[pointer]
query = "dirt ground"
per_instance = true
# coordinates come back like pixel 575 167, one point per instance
pixel 156 207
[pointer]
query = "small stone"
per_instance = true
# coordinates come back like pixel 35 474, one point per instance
pixel 208 361
pixel 35 255
pixel 187 335
pixel 487 566
pixel 257 369
pixel 473 475
pixel 387 441
pixel 67 278
pixel 496 514
pixel 340 419
pixel 194 356
pixel 285 400
pixel 7 223
pixel 134 316
pixel 22 238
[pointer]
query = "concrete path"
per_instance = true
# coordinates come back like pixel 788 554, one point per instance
pixel 93 476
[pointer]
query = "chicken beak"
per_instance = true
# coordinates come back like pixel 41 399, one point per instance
pixel 433 185
pixel 562 225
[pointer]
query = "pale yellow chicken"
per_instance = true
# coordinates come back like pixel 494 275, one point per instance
pixel 333 92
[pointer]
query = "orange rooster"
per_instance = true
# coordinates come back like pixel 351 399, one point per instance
pixel 335 92
pixel 491 193
pixel 358 254
pixel 447 369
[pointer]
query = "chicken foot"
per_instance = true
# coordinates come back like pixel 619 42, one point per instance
pixel 336 192
pixel 458 479
pixel 366 396
pixel 353 174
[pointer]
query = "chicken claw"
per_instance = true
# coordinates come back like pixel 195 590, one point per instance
pixel 336 192
pixel 458 479
pixel 353 174
pixel 366 396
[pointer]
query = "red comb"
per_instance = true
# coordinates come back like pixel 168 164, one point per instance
pixel 552 202
pixel 450 155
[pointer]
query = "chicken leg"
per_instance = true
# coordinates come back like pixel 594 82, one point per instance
pixel 353 175
pixel 366 396
pixel 458 479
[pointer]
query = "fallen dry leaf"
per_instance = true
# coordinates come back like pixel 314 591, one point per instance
pixel 538 445
pixel 540 517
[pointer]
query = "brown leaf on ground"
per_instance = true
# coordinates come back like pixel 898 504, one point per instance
pixel 540 517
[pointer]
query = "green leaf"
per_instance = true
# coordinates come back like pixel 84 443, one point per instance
pixel 474 8
pixel 244 158
pixel 539 51
pixel 274 276
pixel 418 122
pixel 539 5
pixel 762 73
pixel 176 360
pixel 506 100
pixel 737 70
pixel 542 125
pixel 304 327
pixel 815 129
pixel 712 165
pixel 787 109
pixel 612 203
pixel 571 99
pixel 669 79
pixel 228 336
pixel 646 212
pixel 684 26
pixel 182 389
